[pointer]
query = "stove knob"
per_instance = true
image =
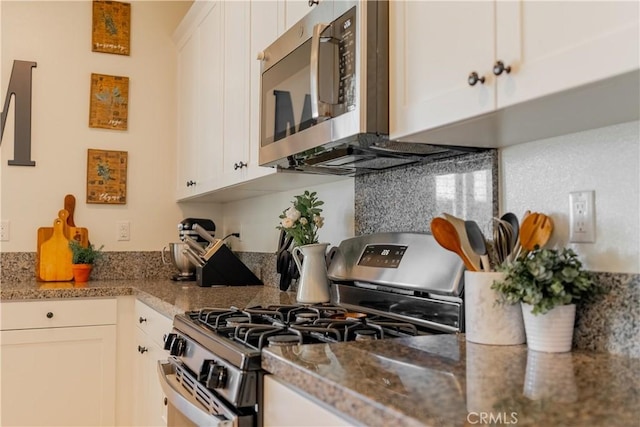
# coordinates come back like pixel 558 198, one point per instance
pixel 217 377
pixel 168 340
pixel 204 370
pixel 177 346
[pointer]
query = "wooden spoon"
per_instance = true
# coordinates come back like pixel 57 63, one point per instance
pixel 446 235
pixel 535 231
pixel 459 225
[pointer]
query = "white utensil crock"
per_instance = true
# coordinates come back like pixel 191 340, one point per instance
pixel 313 286
pixel 487 321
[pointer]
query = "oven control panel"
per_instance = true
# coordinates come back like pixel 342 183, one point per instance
pixel 382 256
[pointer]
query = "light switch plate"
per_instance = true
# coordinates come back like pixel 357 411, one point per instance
pixel 582 217
pixel 4 231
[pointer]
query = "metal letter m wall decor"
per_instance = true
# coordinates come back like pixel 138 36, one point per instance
pixel 20 89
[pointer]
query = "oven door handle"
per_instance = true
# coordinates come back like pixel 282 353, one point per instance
pixel 188 407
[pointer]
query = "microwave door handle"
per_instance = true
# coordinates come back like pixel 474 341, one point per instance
pixel 315 70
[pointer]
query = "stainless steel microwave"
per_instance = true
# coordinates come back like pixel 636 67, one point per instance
pixel 325 87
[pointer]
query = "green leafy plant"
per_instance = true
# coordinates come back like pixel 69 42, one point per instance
pixel 546 278
pixel 302 220
pixel 84 255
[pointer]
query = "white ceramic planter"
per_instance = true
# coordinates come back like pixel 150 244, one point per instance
pixel 551 332
pixel 486 321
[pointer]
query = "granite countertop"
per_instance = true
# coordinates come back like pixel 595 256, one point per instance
pixel 166 296
pixel 436 380
pixel 441 380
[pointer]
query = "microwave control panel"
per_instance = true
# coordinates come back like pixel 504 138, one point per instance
pixel 345 27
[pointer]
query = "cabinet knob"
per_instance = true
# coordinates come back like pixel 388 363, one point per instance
pixel 142 349
pixel 142 319
pixel 190 183
pixel 261 56
pixel 312 2
pixel 474 78
pixel 49 315
pixel 240 165
pixel 499 67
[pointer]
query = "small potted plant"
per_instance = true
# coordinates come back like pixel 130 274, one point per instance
pixel 547 283
pixel 82 260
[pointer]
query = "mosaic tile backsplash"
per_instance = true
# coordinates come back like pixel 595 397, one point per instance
pixel 407 199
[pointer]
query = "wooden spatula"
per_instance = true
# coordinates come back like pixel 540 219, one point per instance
pixel 446 235
pixel 535 231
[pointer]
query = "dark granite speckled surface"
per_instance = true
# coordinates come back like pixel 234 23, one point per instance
pixel 440 380
pixel 166 296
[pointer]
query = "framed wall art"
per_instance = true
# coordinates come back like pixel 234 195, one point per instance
pixel 111 27
pixel 107 176
pixel 109 103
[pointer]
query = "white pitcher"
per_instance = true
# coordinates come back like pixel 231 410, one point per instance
pixel 313 286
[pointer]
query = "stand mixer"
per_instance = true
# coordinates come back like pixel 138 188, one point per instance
pixel 186 269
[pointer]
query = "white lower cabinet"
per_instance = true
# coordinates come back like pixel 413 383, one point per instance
pixel 58 363
pixel 284 406
pixel 149 408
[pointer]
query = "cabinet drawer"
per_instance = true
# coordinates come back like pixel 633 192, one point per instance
pixel 154 324
pixel 57 313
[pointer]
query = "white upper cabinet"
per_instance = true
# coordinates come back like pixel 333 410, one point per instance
pixel 434 46
pixel 199 41
pixel 558 45
pixel 541 68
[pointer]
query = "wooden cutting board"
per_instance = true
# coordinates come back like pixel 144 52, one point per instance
pixel 81 234
pixel 55 256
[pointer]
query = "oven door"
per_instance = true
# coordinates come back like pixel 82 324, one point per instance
pixel 191 404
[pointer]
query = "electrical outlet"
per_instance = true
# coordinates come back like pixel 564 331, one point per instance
pixel 4 231
pixel 582 218
pixel 123 230
pixel 234 228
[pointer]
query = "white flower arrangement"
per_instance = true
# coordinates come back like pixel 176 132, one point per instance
pixel 302 220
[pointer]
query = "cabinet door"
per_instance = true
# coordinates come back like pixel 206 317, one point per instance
pixel 264 31
pixel 149 408
pixel 188 113
pixel 211 96
pixel 59 376
pixel 283 406
pixel 559 45
pixel 433 47
pixel 236 90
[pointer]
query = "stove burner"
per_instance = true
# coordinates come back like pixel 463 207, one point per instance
pixel 283 340
pixel 237 320
pixel 366 335
pixel 257 327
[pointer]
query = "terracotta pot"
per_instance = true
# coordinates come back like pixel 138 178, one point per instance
pixel 81 272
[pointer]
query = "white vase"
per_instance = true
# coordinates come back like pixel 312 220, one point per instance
pixel 486 321
pixel 313 286
pixel 551 332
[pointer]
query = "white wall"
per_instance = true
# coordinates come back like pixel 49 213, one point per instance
pixel 57 35
pixel 539 176
pixel 258 217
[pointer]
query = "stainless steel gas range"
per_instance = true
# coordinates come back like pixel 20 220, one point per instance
pixel 384 285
